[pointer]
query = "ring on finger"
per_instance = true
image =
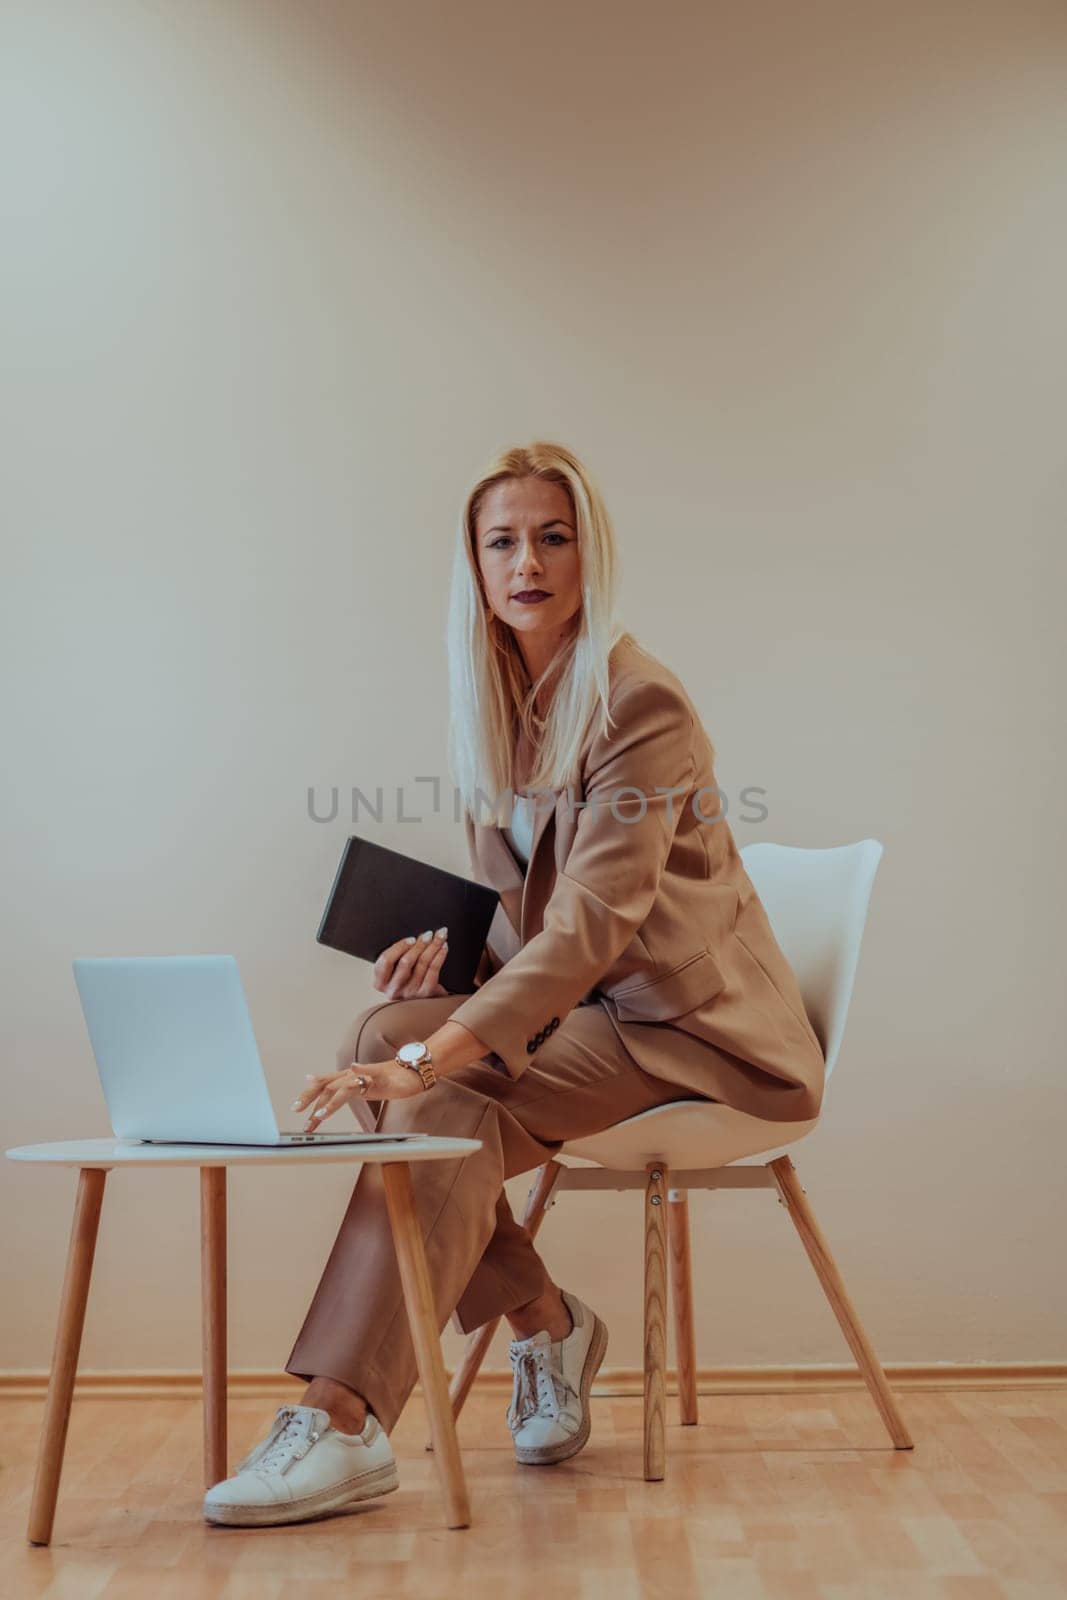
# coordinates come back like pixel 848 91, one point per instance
pixel 360 1081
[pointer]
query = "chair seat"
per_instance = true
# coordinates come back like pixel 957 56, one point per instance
pixel 694 1134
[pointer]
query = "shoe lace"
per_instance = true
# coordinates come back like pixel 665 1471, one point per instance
pixel 540 1388
pixel 289 1440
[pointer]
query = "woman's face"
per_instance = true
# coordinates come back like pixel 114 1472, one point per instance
pixel 527 542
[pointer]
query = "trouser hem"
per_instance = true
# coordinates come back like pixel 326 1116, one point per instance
pixel 511 1292
pixel 364 1380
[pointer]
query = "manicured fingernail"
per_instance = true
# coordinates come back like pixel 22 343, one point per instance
pixel 295 1106
pixel 442 933
pixel 410 939
pixel 427 935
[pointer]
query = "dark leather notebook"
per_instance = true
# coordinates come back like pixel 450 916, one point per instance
pixel 381 895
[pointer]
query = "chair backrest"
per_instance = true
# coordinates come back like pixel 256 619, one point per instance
pixel 817 901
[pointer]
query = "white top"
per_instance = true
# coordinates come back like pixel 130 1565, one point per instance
pixel 520 834
pixel 120 1153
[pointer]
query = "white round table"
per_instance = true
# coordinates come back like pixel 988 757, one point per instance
pixel 94 1158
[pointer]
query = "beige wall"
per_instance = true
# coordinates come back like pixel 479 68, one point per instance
pixel 277 279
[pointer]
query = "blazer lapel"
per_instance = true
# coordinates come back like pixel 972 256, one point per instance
pixel 517 889
pixel 544 827
pixel 525 895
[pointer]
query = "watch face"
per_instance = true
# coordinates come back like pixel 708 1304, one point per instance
pixel 412 1053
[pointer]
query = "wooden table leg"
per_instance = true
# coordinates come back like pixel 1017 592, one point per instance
pixel 425 1335
pixel 72 1305
pixel 213 1319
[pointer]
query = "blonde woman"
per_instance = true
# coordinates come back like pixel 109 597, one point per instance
pixel 629 963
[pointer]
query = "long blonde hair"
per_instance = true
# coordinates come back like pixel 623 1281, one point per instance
pixel 492 698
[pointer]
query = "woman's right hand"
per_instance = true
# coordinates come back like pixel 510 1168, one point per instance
pixel 408 969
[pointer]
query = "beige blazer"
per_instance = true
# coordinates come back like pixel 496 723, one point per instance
pixel 633 900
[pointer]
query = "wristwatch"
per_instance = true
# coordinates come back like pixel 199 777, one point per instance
pixel 416 1055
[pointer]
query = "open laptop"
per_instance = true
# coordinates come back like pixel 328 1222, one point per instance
pixel 177 1056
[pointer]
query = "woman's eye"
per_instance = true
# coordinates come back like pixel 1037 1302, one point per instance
pixel 503 538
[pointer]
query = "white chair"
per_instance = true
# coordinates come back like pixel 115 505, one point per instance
pixel 816 901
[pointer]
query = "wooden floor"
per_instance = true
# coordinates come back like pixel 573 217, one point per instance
pixel 771 1496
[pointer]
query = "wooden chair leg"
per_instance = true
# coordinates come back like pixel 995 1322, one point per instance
pixel 796 1203
pixel 656 1183
pixel 682 1297
pixel 477 1345
pixel 422 1318
pixel 72 1303
pixel 474 1353
pixel 213 1319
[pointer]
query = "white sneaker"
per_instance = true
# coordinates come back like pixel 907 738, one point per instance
pixel 549 1411
pixel 302 1468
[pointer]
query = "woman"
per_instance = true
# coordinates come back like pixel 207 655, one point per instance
pixel 630 963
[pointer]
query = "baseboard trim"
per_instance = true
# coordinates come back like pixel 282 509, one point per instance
pixel 621 1382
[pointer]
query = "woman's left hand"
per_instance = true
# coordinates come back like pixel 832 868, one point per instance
pixel 328 1092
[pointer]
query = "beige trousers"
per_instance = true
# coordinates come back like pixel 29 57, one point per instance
pixel 482 1263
